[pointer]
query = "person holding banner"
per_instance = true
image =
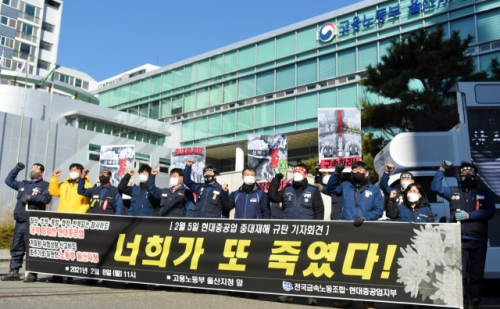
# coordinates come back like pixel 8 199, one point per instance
pixel 104 199
pixel 176 201
pixel 209 203
pixel 249 200
pixel 32 195
pixel 473 207
pixel 69 199
pixel 142 202
pixel 412 208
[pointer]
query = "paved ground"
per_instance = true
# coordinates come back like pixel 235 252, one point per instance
pixel 44 294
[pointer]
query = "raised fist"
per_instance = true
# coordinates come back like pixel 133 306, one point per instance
pixel 20 166
pixel 446 164
pixel 190 162
pixel 389 168
pixel 154 171
pixel 85 172
pixel 131 172
pixel 279 176
pixel 225 187
pixel 338 169
pixel 393 194
pixel 57 173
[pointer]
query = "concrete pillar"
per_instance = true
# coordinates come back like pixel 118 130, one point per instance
pixel 240 158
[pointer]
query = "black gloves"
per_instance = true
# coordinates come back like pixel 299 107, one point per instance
pixel 279 176
pixel 359 221
pixel 446 164
pixel 20 166
pixel 25 199
pixel 338 169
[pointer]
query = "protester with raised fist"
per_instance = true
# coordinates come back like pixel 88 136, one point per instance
pixel 473 206
pixel 32 194
pixel 209 203
pixel 104 199
pixel 142 202
pixel 405 179
pixel 413 208
pixel 175 201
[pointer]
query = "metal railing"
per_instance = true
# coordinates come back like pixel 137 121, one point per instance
pixel 29 17
pixel 24 56
pixel 26 36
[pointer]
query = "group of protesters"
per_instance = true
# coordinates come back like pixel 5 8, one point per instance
pixel 354 198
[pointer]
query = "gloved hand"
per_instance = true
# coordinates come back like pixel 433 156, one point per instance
pixel 446 164
pixel 25 199
pixel 338 169
pixel 279 176
pixel 359 221
pixel 461 215
pixel 20 166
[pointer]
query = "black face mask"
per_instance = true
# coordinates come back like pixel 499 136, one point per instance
pixel 104 180
pixel 468 181
pixel 209 178
pixel 359 179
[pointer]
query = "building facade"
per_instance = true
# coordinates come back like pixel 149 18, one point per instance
pixel 275 82
pixel 29 29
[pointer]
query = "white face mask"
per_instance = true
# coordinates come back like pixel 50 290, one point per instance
pixel 405 184
pixel 174 182
pixel 143 178
pixel 249 180
pixel 298 177
pixel 74 175
pixel 412 197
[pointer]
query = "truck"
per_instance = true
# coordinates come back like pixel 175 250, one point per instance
pixel 476 139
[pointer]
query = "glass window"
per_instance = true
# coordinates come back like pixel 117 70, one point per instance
pixel 155 110
pixel 306 38
pixel 124 93
pixel 133 110
pixel 285 110
pixel 285 77
pixel 113 97
pixel 82 123
pixel 367 55
pixel 465 26
pixel 216 65
pixel 347 61
pixel 90 125
pixel 30 9
pixel 367 96
pixel 124 133
pixel 328 98
pixel 202 98
pixel 189 101
pixel 348 96
pixel 307 106
pixel 245 118
pixel 200 129
pixel 104 98
pixel 228 122
pixel 216 95
pixel 230 91
pixel 177 104
pixel 264 115
pixel 405 17
pixel 138 136
pixel 440 7
pixel 203 69
pixel 285 45
pixel 167 81
pixel 131 135
pixel 246 87
pixel 135 90
pixel 327 66
pixel 116 131
pixel 265 82
pixel 289 127
pixel 384 45
pixel 165 108
pixel 27 29
pixel 307 72
pixel 95 148
pixel 108 129
pixel 246 57
pixel 190 74
pixel 155 84
pixel 214 125
pixel 153 139
pixel 485 61
pixel 78 83
pixel 64 78
pixel 145 87
pixel 161 140
pixel 145 139
pixel 231 61
pixel 187 130
pixel 265 51
pixel 143 110
pixel 178 77
pixel 4 20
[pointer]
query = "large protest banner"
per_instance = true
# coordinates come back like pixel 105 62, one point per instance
pixel 339 133
pixel 179 158
pixel 380 261
pixel 118 159
pixel 268 155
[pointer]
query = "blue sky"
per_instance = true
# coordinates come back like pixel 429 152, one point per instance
pixel 104 38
